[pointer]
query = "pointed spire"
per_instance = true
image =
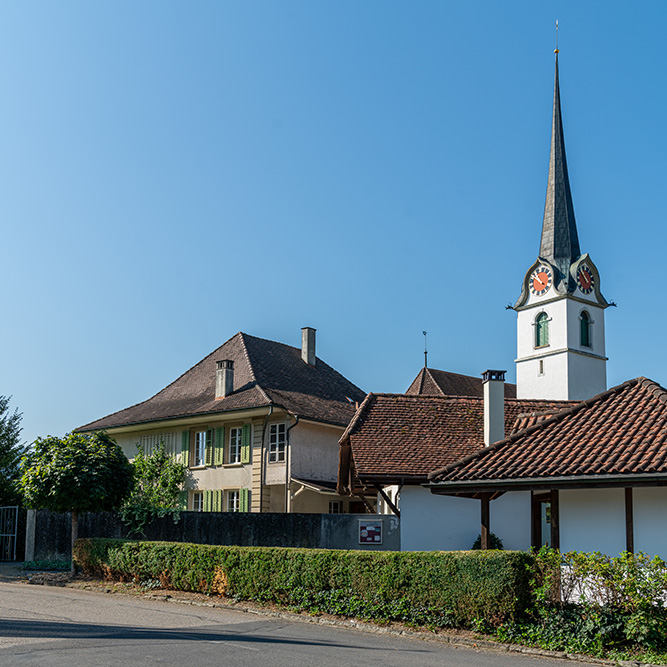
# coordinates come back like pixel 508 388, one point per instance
pixel 560 242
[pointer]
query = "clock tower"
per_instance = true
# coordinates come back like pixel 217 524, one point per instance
pixel 560 313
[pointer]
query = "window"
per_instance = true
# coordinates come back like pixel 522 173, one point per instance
pixel 277 440
pixel 235 443
pixel 541 367
pixel 202 443
pixel 335 507
pixel 197 501
pixel 585 321
pixel 233 504
pixel 542 330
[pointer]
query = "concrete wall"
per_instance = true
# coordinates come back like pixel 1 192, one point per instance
pixel 314 453
pixel 432 522
pixel 49 537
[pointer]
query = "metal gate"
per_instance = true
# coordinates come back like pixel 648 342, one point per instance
pixel 9 519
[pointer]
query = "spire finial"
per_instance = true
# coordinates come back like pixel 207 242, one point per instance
pixel 425 351
pixel 556 51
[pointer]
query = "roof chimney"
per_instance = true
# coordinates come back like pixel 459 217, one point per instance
pixel 224 378
pixel 494 406
pixel 308 345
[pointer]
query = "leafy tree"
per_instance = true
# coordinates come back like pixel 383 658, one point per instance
pixel 11 451
pixel 77 473
pixel 158 480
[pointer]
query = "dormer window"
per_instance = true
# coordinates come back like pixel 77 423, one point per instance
pixel 542 330
pixel 585 329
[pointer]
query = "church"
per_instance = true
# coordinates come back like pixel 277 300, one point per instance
pixel 558 459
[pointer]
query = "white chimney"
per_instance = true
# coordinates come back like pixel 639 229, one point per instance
pixel 494 406
pixel 224 378
pixel 308 345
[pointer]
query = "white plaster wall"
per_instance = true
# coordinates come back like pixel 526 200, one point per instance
pixel 650 520
pixel 587 376
pixel 574 310
pixel 592 520
pixel 314 452
pixel 510 519
pixel 551 384
pixel 557 313
pixel 431 522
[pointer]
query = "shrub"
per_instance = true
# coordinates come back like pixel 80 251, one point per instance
pixel 426 588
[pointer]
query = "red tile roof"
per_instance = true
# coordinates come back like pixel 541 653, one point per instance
pixel 432 382
pixel 265 373
pixel 395 437
pixel 618 434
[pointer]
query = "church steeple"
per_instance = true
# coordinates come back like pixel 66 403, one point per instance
pixel 560 242
pixel 560 312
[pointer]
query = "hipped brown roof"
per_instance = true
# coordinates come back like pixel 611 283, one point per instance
pixel 396 437
pixel 433 382
pixel 619 433
pixel 265 373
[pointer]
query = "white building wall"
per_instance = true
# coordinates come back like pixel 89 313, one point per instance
pixel 430 522
pixel 592 520
pixel 650 520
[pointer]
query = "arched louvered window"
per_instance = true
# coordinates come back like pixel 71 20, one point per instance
pixel 542 330
pixel 585 321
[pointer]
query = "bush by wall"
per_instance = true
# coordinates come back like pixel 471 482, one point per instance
pixel 426 588
pixel 595 604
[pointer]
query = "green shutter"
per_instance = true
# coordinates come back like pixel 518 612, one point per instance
pixel 219 456
pixel 218 500
pixel 208 501
pixel 185 448
pixel 244 500
pixel 245 444
pixel 208 457
pixel 183 500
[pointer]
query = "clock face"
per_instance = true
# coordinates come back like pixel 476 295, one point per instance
pixel 540 280
pixel 585 279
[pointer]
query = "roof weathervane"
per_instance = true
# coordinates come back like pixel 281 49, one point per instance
pixel 425 351
pixel 556 50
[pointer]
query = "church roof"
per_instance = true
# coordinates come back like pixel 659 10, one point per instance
pixel 396 437
pixel 265 373
pixel 560 242
pixel 432 382
pixel 617 437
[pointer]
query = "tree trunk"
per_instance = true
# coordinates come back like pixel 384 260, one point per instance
pixel 75 533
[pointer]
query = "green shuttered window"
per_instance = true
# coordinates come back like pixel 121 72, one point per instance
pixel 219 456
pixel 245 445
pixel 244 504
pixel 585 322
pixel 542 330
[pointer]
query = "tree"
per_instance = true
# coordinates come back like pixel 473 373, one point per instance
pixel 158 480
pixel 77 473
pixel 11 451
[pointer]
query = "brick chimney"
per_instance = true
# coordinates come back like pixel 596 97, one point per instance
pixel 224 378
pixel 494 406
pixel 308 345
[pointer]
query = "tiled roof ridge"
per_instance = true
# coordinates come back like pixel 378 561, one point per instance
pixel 357 416
pixel 246 354
pixel 435 382
pixel 640 381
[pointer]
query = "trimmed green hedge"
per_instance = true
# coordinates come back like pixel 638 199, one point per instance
pixel 440 588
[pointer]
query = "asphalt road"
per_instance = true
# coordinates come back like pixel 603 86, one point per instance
pixel 68 627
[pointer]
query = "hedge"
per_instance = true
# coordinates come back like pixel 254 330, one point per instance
pixel 438 588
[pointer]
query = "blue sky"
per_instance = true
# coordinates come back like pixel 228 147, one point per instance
pixel 174 172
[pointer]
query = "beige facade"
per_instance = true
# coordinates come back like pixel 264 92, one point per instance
pixel 289 465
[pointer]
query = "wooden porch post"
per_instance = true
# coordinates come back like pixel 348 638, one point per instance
pixel 486 502
pixel 535 521
pixel 555 520
pixel 629 522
